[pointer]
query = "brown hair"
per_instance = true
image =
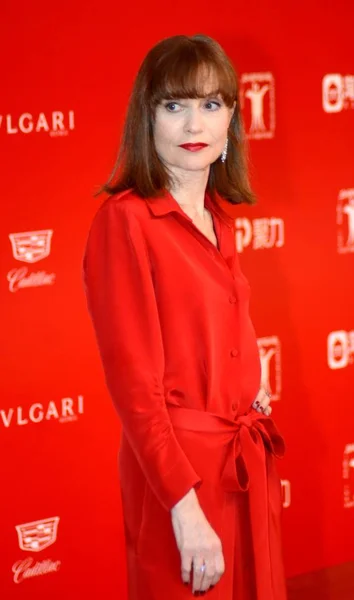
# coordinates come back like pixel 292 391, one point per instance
pixel 172 69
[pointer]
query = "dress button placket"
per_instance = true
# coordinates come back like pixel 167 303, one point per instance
pixel 233 352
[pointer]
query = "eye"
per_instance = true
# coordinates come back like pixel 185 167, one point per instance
pixel 169 106
pixel 217 104
pixel 211 105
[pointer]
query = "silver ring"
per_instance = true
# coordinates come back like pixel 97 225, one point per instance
pixel 202 568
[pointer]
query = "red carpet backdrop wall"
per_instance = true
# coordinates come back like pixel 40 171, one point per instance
pixel 67 72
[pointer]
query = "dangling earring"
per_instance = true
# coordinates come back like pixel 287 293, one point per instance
pixel 224 152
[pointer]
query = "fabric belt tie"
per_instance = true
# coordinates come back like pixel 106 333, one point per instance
pixel 253 442
pixel 245 435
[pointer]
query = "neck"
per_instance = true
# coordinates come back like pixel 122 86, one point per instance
pixel 188 190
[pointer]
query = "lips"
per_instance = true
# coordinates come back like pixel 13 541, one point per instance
pixel 193 147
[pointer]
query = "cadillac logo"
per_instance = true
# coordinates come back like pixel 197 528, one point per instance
pixel 38 535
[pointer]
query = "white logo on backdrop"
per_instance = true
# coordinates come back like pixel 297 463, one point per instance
pixel 30 247
pixel 337 92
pixel 56 123
pixel 340 349
pixel 35 537
pixel 260 233
pixel 270 356
pixel 348 475
pixel 345 221
pixel 27 568
pixel 64 411
pixel 256 88
pixel 286 492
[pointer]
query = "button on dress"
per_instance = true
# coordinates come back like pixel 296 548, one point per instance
pixel 180 356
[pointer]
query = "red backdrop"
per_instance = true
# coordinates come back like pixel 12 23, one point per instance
pixel 66 77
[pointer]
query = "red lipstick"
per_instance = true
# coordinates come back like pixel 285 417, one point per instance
pixel 193 147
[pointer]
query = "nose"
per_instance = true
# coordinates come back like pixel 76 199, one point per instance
pixel 194 121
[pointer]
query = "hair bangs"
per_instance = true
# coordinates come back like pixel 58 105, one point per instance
pixel 193 74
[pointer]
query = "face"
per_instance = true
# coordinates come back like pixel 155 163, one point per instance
pixel 191 121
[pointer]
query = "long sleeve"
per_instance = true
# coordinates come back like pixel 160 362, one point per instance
pixel 122 305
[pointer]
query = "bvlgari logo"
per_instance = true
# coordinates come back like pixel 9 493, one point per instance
pixel 55 123
pixel 30 247
pixel 63 411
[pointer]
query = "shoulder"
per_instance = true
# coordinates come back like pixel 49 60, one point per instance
pixel 121 216
pixel 126 204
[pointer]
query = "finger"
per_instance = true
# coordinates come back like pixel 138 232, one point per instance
pixel 262 401
pixel 258 398
pixel 267 400
pixel 262 408
pixel 197 574
pixel 268 411
pixel 186 567
pixel 208 574
pixel 219 568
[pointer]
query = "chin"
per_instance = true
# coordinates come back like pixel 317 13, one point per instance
pixel 196 165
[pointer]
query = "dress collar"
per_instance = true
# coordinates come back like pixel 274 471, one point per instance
pixel 167 203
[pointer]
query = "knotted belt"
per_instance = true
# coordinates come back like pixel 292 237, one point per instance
pixel 253 427
pixel 252 443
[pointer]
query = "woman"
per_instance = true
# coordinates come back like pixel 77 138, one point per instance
pixel 200 491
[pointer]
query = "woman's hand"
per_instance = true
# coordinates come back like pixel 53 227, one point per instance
pixel 197 543
pixel 262 402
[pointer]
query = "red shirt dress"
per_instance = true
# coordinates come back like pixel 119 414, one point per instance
pixel 181 361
